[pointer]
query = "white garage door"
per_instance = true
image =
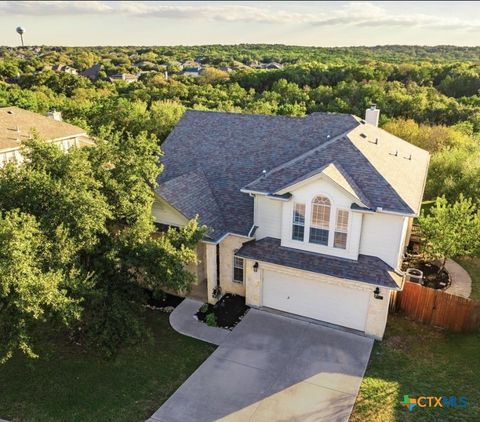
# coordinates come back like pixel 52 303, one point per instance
pixel 315 299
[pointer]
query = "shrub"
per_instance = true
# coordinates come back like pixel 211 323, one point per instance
pixel 211 320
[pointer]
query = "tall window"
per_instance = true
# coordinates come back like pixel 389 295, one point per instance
pixel 298 227
pixel 341 229
pixel 237 269
pixel 320 220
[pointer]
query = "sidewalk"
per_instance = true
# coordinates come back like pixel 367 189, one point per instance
pixel 183 320
pixel 461 284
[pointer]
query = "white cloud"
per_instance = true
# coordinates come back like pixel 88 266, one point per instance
pixel 355 14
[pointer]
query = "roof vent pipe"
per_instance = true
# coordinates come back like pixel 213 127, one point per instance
pixel 372 115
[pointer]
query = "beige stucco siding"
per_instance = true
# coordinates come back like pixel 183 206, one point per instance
pixel 211 269
pixel 227 250
pixel 377 309
pixel 378 314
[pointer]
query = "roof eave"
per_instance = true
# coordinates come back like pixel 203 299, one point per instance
pixel 397 287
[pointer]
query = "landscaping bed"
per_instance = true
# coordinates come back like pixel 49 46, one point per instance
pixel 432 277
pixel 226 313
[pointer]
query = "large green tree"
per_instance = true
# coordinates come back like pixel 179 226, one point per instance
pixel 450 229
pixel 78 245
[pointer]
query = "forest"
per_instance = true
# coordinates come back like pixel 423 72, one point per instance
pixel 429 96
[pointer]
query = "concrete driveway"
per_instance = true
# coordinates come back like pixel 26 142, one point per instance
pixel 274 368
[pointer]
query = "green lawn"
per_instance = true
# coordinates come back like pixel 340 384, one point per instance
pixel 418 360
pixel 69 385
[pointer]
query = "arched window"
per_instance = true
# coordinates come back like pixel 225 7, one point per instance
pixel 320 220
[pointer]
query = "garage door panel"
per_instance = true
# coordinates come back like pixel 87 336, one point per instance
pixel 315 299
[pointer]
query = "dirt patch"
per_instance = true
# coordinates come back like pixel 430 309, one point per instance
pixel 226 313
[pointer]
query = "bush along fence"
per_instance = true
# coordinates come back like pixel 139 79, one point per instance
pixel 437 308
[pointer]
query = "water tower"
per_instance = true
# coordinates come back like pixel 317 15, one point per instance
pixel 20 31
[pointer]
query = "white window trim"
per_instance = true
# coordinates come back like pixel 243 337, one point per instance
pixel 243 270
pixel 298 224
pixel 328 228
pixel 331 227
pixel 335 230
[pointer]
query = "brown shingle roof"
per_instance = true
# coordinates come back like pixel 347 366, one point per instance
pixel 16 125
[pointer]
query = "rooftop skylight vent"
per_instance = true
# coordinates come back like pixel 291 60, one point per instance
pixel 408 158
pixel 395 154
pixel 374 142
pixel 363 135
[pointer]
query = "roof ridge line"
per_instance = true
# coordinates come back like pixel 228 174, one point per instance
pixel 300 157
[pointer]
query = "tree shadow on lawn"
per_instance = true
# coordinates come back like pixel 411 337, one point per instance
pixel 418 360
pixel 69 384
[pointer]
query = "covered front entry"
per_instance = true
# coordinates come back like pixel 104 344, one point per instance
pixel 316 299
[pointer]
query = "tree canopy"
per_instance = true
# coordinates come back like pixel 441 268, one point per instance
pixel 78 245
pixel 450 229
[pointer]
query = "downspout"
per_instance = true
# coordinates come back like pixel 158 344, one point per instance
pixel 217 291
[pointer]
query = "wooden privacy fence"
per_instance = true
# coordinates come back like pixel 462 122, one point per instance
pixel 438 308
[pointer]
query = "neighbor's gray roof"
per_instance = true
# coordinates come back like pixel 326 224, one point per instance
pixel 367 269
pixel 231 150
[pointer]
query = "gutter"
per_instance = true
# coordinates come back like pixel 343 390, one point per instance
pixel 382 211
pixel 254 192
pixel 215 242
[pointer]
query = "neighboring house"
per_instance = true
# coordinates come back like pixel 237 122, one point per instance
pixel 65 69
pixel 144 72
pixel 17 125
pixel 127 77
pixel 173 63
pixel 92 72
pixel 144 63
pixel 305 215
pixel 271 66
pixel 190 63
pixel 192 71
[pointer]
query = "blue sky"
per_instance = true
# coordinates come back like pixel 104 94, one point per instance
pixel 75 23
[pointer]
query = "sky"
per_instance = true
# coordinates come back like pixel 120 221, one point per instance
pixel 324 24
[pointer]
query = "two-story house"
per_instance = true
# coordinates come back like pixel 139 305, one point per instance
pixel 18 125
pixel 306 215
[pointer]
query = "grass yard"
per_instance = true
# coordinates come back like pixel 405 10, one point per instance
pixel 418 360
pixel 68 385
